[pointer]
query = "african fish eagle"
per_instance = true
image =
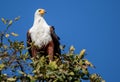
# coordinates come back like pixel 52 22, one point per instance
pixel 43 37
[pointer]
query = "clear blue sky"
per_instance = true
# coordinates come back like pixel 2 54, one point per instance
pixel 90 24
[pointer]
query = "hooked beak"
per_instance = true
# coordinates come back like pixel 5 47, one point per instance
pixel 42 12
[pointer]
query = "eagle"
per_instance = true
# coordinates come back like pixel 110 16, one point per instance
pixel 41 37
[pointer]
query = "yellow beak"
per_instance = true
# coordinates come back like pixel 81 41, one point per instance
pixel 42 11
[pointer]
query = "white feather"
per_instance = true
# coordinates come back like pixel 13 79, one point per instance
pixel 40 31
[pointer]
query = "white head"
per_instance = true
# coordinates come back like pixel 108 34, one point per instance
pixel 40 12
pixel 38 17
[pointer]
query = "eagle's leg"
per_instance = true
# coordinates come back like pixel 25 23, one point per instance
pixel 50 50
pixel 34 51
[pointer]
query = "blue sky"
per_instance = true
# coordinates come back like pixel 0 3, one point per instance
pixel 90 24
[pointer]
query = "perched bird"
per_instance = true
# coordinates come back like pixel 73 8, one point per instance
pixel 43 37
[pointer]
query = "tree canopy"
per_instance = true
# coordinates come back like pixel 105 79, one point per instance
pixel 17 65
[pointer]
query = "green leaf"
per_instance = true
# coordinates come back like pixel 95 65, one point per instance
pixel 62 47
pixel 96 78
pixel 21 72
pixel 7 35
pixel 82 53
pixel 10 23
pixel 2 66
pixel 5 46
pixel 89 64
pixel 103 81
pixel 71 73
pixel 85 71
pixel 37 68
pixel 3 20
pixel 59 78
pixel 11 79
pixel 17 18
pixel 72 48
pixel 31 78
pixel 53 65
pixel 14 34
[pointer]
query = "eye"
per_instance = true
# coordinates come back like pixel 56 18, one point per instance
pixel 39 10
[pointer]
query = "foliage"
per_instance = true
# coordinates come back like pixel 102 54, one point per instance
pixel 17 65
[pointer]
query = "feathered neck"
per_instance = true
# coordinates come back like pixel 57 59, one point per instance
pixel 38 20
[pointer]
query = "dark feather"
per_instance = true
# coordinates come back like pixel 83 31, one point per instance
pixel 55 39
pixel 29 41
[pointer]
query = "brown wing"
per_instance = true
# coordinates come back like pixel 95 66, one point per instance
pixel 55 39
pixel 29 41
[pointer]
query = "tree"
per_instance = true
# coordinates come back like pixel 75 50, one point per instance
pixel 17 65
